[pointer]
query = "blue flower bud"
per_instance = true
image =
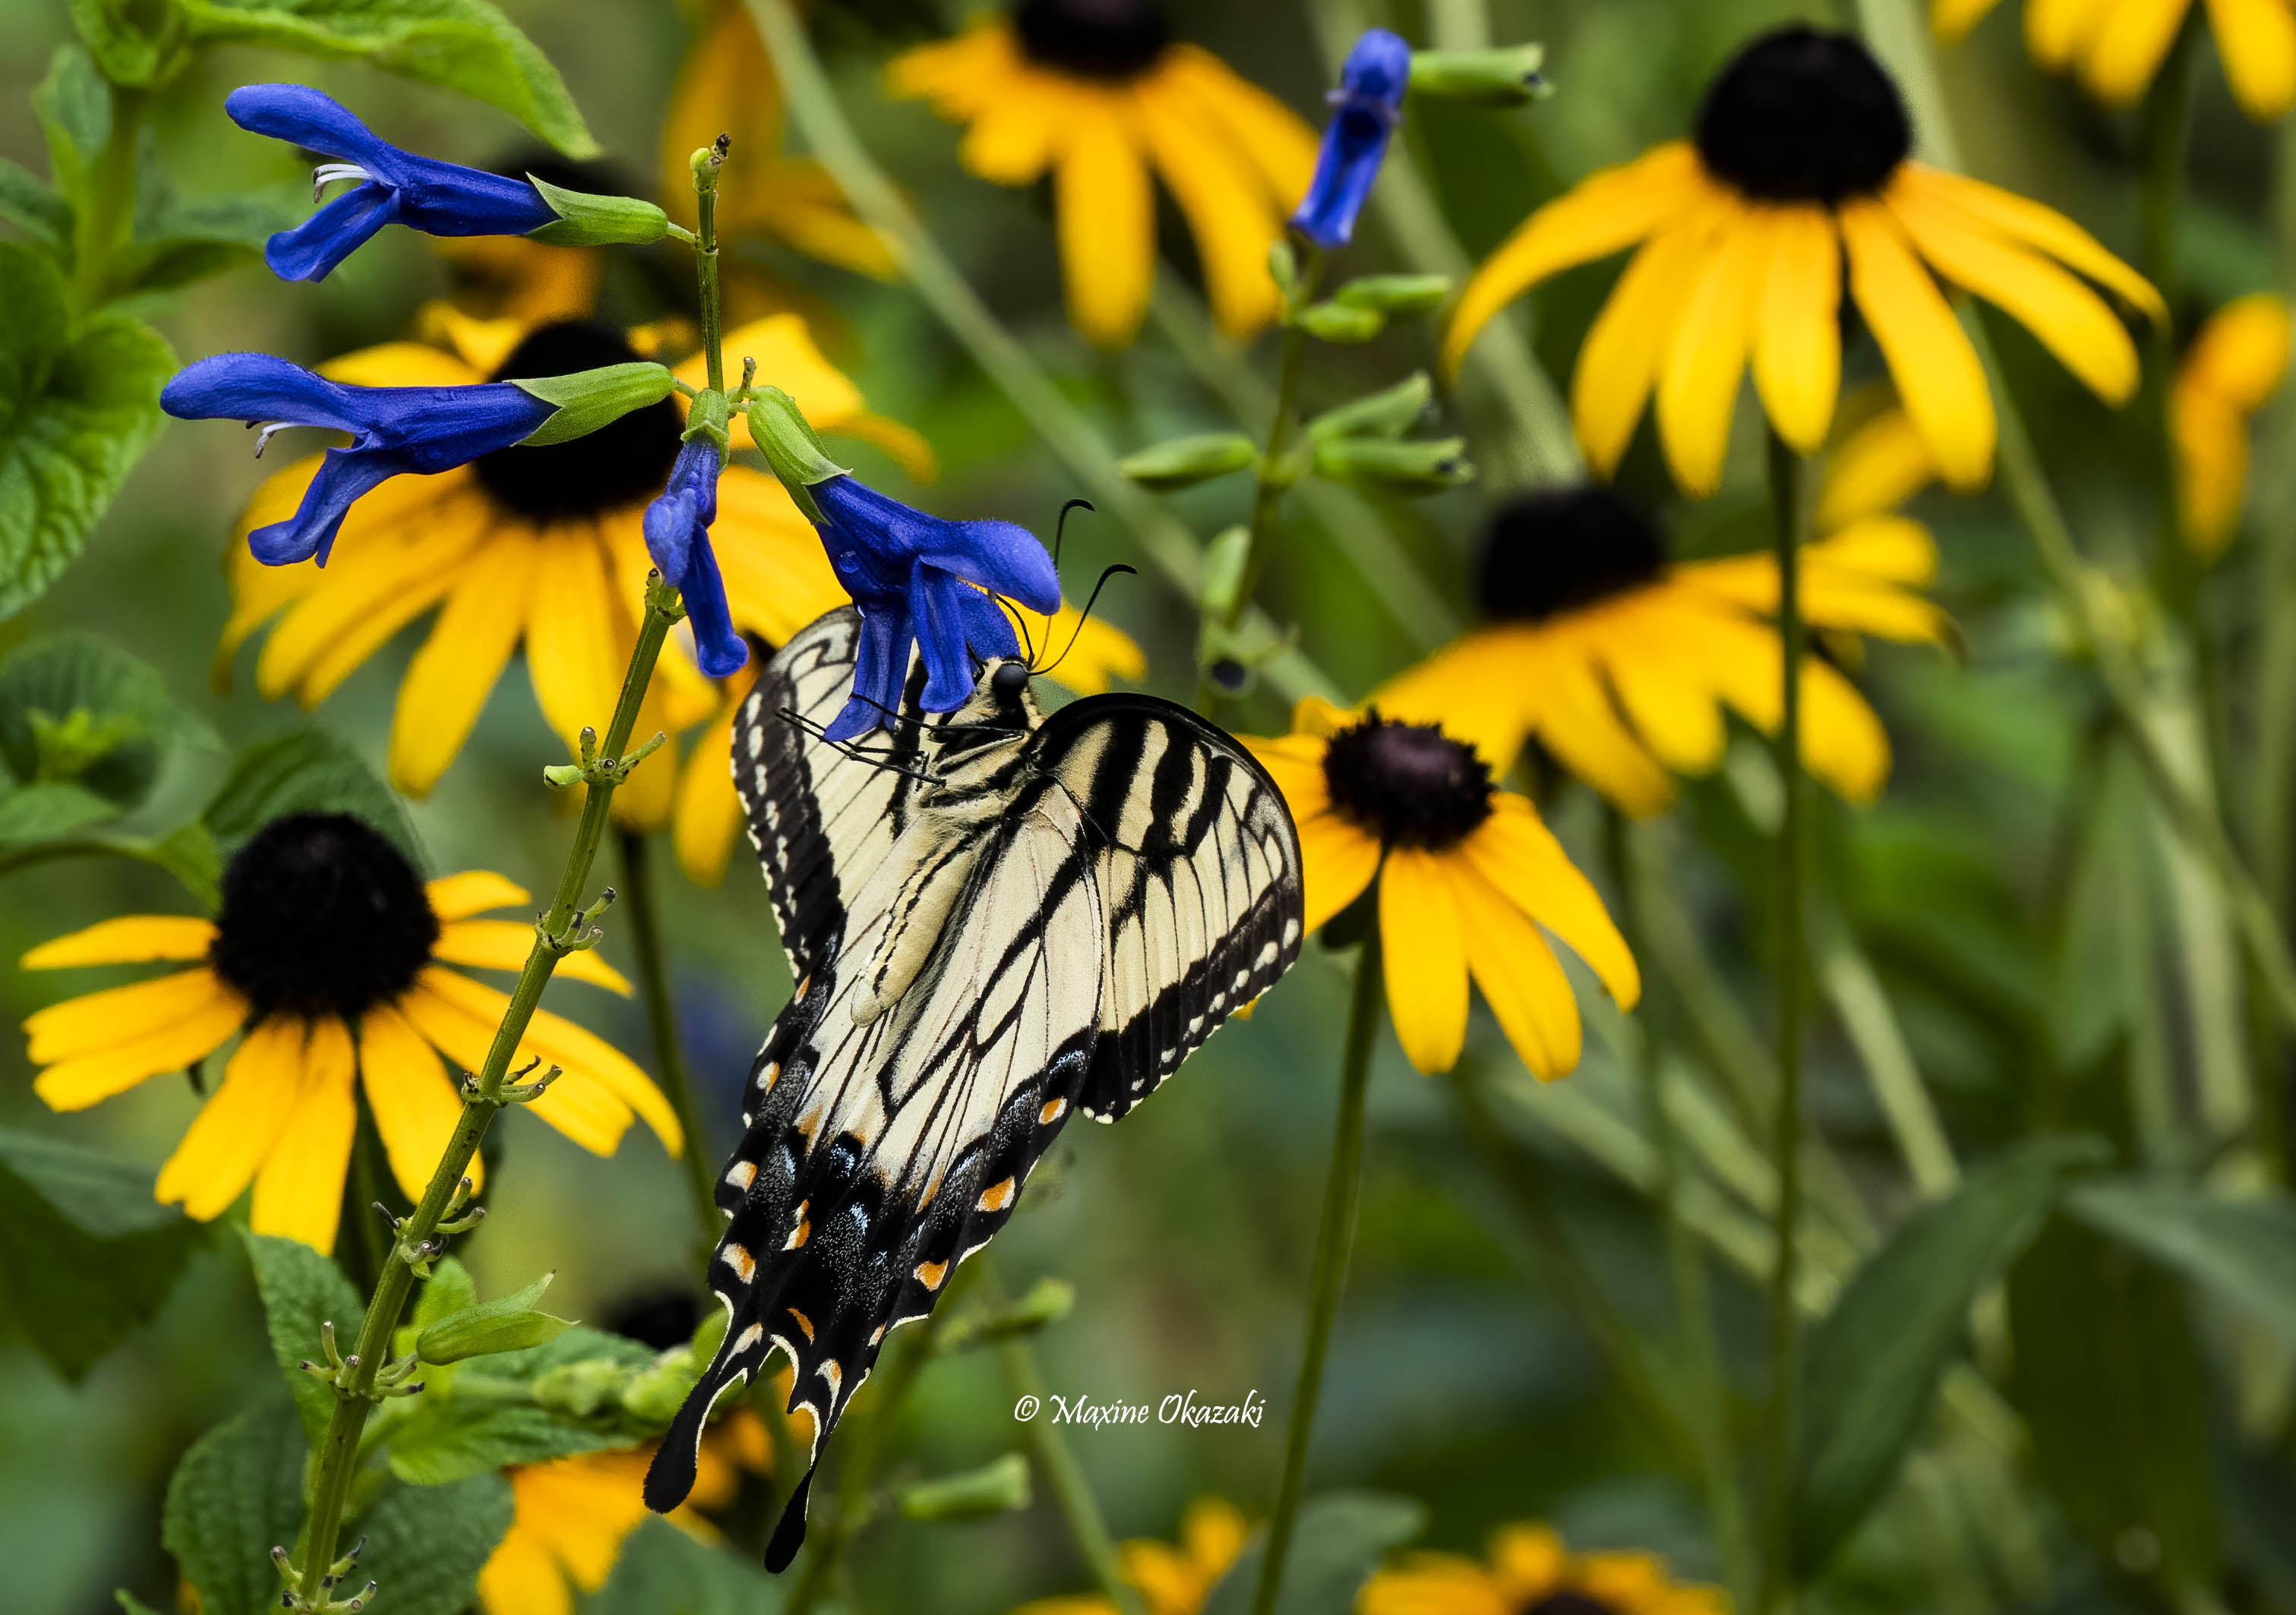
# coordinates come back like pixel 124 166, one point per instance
pixel 677 536
pixel 1365 110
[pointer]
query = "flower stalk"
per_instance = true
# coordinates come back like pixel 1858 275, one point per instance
pixel 707 163
pixel 1274 473
pixel 1343 1189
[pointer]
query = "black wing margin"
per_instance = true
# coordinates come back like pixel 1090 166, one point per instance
pixel 1199 874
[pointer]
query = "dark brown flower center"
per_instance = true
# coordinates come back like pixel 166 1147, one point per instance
pixel 1410 784
pixel 1094 39
pixel 321 916
pixel 1568 1601
pixel 617 465
pixel 1804 115
pixel 1559 549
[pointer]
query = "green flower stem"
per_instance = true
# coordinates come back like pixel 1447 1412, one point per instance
pixel 1273 476
pixel 1165 542
pixel 1779 1417
pixel 1342 1188
pixel 558 933
pixel 661 1021
pixel 705 260
pixel 100 226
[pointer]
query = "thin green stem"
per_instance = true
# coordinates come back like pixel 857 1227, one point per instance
pixel 1273 476
pixel 1779 1417
pixel 1342 1186
pixel 101 226
pixel 661 1020
pixel 560 932
pixel 705 261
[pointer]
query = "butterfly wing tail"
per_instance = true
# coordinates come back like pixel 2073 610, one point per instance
pixel 670 1476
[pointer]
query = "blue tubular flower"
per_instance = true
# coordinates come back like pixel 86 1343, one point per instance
pixel 393 430
pixel 913 576
pixel 437 198
pixel 1365 109
pixel 677 536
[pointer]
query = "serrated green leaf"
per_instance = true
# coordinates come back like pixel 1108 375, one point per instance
pixel 74 107
pixel 2245 1251
pixel 301 1289
pixel 35 207
pixel 118 37
pixel 1874 1361
pixel 425 1545
pixel 48 813
pixel 663 1571
pixel 237 1494
pixel 86 1254
pixel 77 407
pixel 462 45
pixel 1337 1541
pixel 309 771
pixel 76 709
pixel 444 1439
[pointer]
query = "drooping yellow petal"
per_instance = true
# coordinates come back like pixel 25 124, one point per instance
pixel 474 891
pixel 2030 223
pixel 2125 51
pixel 777 576
pixel 1930 357
pixel 2058 31
pixel 1014 140
pixel 504 945
pixel 1889 549
pixel 235 1131
pixel 96 1021
pixel 1842 743
pixel 1797 340
pixel 1337 860
pixel 2256 41
pixel 1515 851
pixel 708 812
pixel 448 681
pixel 193 1032
pixel 2211 443
pixel 1950 19
pixel 1577 722
pixel 571 653
pixel 299 1190
pixel 2241 354
pixel 1107 222
pixel 1607 212
pixel 791 204
pixel 414 1105
pixel 1425 958
pixel 1274 141
pixel 402 365
pixel 1676 718
pixel 725 85
pixel 521 1577
pixel 2072 321
pixel 130 939
pixel 1619 363
pixel 789 358
pixel 1851 581
pixel 959 75
pixel 460 1023
pixel 1706 355
pixel 1230 220
pixel 1873 470
pixel 1527 992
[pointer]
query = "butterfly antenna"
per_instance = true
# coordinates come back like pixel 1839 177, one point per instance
pixel 1085 616
pixel 1061 527
pixel 1020 627
pixel 851 752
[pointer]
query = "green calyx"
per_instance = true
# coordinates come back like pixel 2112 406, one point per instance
pixel 1334 322
pixel 1403 468
pixel 1185 462
pixel 1389 413
pixel 588 399
pixel 1508 77
pixel 711 413
pixel 585 221
pixel 787 440
pixel 1395 294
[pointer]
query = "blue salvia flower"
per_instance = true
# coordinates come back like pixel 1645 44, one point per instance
pixel 1365 110
pixel 393 430
pixel 912 576
pixel 677 536
pixel 437 197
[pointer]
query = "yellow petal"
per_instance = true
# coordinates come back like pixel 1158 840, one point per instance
pixel 130 939
pixel 1229 216
pixel 460 1022
pixel 1607 212
pixel 1577 722
pixel 777 576
pixel 521 1577
pixel 2125 51
pixel 2030 223
pixel 1798 342
pixel 2072 321
pixel 235 1130
pixel 708 812
pixel 299 1191
pixel 1703 359
pixel 504 945
pixel 1873 470
pixel 1213 1532
pixel 1337 860
pixel 192 1033
pixel 789 358
pixel 1529 993
pixel 1889 549
pixel 1426 960
pixel 2241 354
pixel 1275 143
pixel 1842 743
pixel 1528 1562
pixel 368 595
pixel 2256 41
pixel 1107 222
pixel 1676 718
pixel 571 653
pixel 1928 355
pixel 414 1105
pixel 1480 688
pixel 1619 361
pixel 474 891
pixel 96 1021
pixel 1950 19
pixel 2057 30
pixel 1516 853
pixel 2211 443
pixel 1086 655
pixel 447 682
pixel 401 365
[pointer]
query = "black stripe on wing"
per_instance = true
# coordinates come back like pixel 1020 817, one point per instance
pixel 1199 870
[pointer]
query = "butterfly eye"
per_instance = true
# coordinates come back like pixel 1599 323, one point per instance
pixel 1010 679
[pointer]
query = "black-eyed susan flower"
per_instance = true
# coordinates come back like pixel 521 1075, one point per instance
pixel 2237 360
pixel 327 960
pixel 1529 1572
pixel 1468 875
pixel 2116 47
pixel 1172 1579
pixel 1620 662
pixel 1098 90
pixel 1801 158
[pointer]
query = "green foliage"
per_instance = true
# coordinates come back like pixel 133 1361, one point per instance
pixel 33 206
pixel 1185 462
pixel 1874 1363
pixel 301 1289
pixel 2244 1251
pixel 663 1571
pixel 86 1254
pixel 237 1494
pixel 425 1545
pixel 509 1323
pixel 74 106
pixel 75 711
pixel 1339 1541
pixel 79 401
pixel 309 771
pixel 996 1487
pixel 126 37
pixel 466 45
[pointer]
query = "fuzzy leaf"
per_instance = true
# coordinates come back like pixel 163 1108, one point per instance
pixel 425 1545
pixel 301 1289
pixel 663 1571
pixel 75 709
pixel 33 207
pixel 74 107
pixel 309 771
pixel 237 1494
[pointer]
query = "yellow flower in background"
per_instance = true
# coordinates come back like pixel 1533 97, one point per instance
pixel 1467 876
pixel 2116 47
pixel 327 960
pixel 1620 662
pixel 542 548
pixel 1098 92
pixel 2237 361
pixel 1529 1572
pixel 515 277
pixel 1171 1581
pixel 1801 156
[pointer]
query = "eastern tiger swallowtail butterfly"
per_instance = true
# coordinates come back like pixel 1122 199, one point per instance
pixel 993 918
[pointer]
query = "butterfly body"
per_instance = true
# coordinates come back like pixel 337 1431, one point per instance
pixel 994 920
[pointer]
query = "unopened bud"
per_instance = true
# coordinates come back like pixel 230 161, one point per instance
pixel 996 1487
pixel 1394 294
pixel 588 399
pixel 1506 76
pixel 1338 323
pixel 1185 462
pixel 1389 413
pixel 1408 468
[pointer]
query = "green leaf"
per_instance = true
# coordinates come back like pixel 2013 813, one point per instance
pixel 1874 1362
pixel 48 813
pixel 77 407
pixel 75 709
pixel 663 1571
pixel 425 1545
pixel 123 49
pixel 462 45
pixel 74 107
pixel 997 1487
pixel 301 1289
pixel 2245 1250
pixel 35 207
pixel 507 1323
pixel 86 1254
pixel 309 771
pixel 176 240
pixel 444 1439
pixel 449 1289
pixel 237 1494
pixel 1337 1542
pixel 132 1605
